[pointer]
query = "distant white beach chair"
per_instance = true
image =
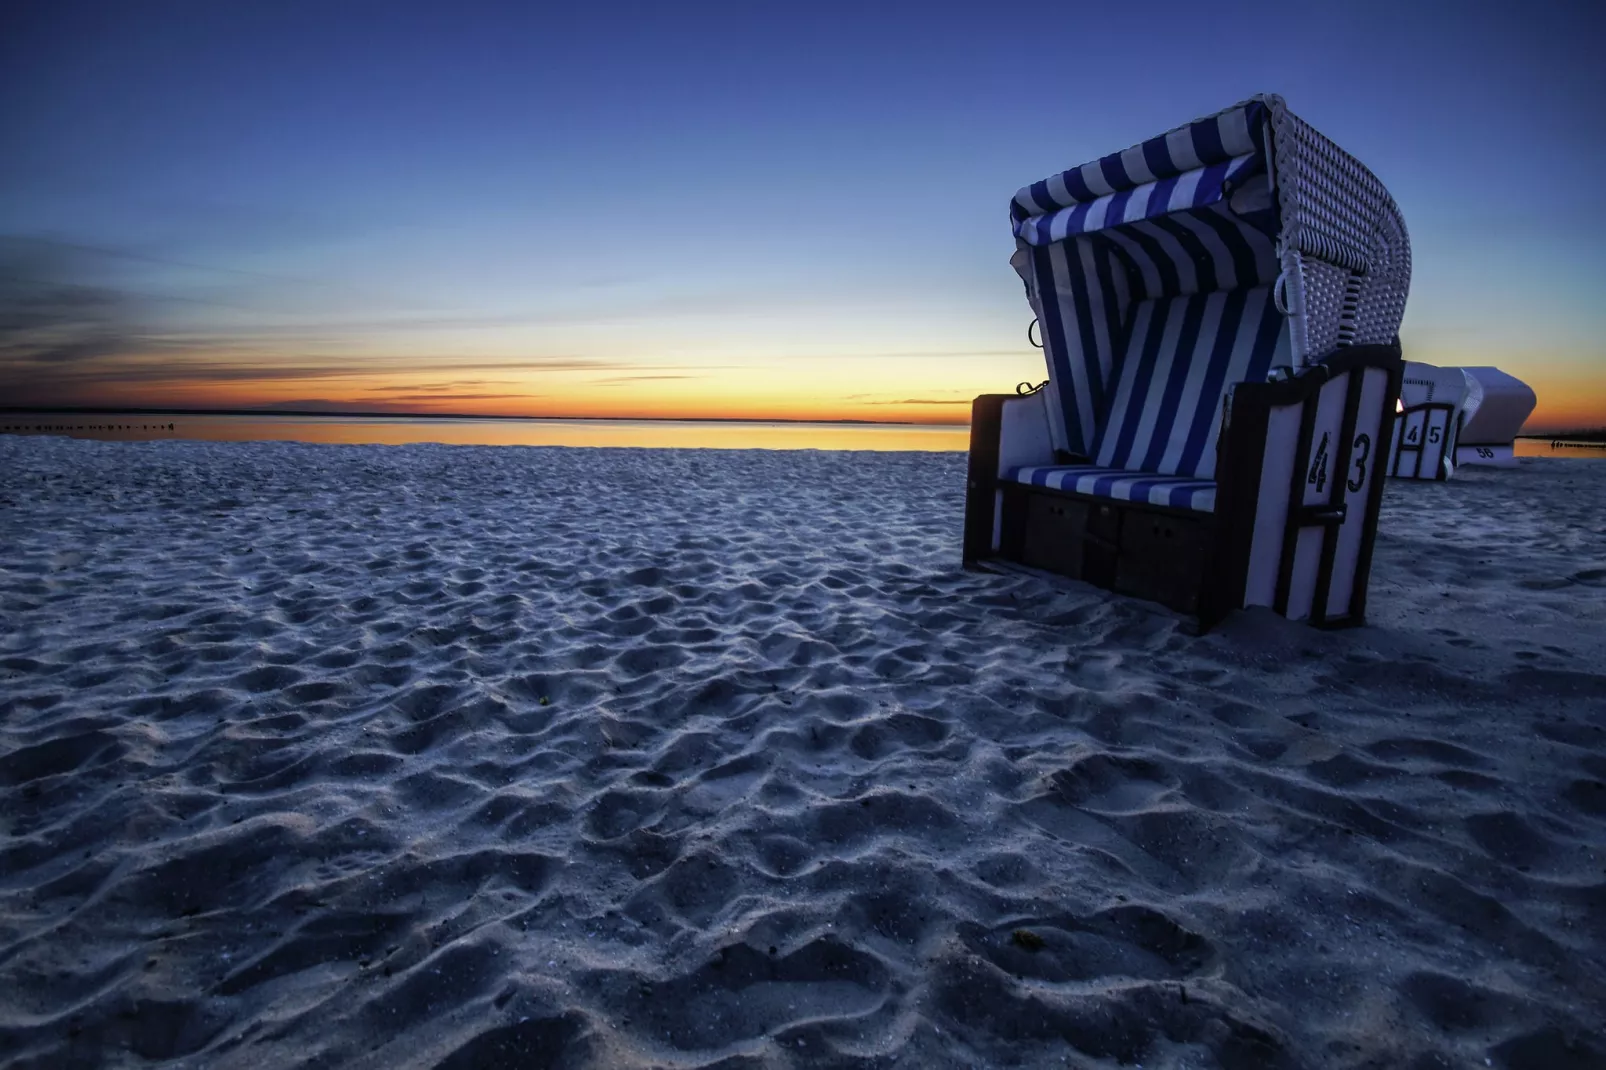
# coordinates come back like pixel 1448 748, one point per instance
pixel 1449 417
pixel 1430 408
pixel 1219 308
pixel 1496 408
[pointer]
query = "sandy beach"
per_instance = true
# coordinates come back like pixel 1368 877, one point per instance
pixel 480 757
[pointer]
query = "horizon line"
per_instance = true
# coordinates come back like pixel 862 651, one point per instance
pixel 63 410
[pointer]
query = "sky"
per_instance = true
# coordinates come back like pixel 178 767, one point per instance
pixel 755 210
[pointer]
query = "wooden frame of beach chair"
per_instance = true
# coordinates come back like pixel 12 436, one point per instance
pixel 1219 310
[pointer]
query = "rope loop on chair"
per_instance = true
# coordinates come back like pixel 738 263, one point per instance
pixel 1279 293
pixel 1036 343
pixel 1025 389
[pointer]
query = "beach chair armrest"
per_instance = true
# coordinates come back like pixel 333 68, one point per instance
pixel 1006 431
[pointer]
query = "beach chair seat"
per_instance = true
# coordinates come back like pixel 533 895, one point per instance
pixel 1219 309
pixel 1118 484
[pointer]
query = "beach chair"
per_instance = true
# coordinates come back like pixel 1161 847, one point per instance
pixel 1219 308
pixel 1497 406
pixel 1428 422
pixel 1450 417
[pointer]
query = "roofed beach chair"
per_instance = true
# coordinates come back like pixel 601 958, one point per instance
pixel 1451 417
pixel 1430 407
pixel 1219 308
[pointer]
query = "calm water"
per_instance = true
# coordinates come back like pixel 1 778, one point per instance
pixel 399 430
pixel 396 431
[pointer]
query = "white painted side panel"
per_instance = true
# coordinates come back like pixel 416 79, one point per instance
pixel 1490 456
pixel 1025 435
pixel 1271 508
pixel 1365 458
pixel 1321 472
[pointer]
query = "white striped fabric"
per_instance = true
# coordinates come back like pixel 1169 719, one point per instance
pixel 1193 252
pixel 1178 492
pixel 1176 193
pixel 1213 140
pixel 1181 356
pixel 1082 297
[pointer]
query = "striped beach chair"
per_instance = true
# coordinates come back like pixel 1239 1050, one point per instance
pixel 1219 308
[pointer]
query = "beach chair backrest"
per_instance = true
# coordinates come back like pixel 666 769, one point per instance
pixel 1182 355
pixel 1248 212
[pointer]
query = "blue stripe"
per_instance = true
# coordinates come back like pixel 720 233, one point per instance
pixel 1181 496
pixel 1139 490
pixel 1090 345
pixel 1040 196
pixel 1142 377
pixel 1244 264
pixel 1170 281
pixel 1076 185
pixel 1206 137
pixel 1101 485
pixel 1054 343
pixel 1204 265
pixel 1078 218
pixel 1209 189
pixel 1115 212
pixel 1179 492
pixel 1176 369
pixel 1134 276
pixel 1112 331
pixel 1114 171
pixel 1215 382
pixel 1271 326
pixel 1160 199
pixel 1055 222
pixel 1255 119
pixel 1157 154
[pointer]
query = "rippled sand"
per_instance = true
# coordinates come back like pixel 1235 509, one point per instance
pixel 505 757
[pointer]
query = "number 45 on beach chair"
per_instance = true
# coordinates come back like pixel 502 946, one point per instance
pixel 1219 307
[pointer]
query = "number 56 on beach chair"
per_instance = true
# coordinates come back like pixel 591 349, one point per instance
pixel 1219 308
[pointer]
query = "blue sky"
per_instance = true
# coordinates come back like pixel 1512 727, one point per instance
pixel 527 207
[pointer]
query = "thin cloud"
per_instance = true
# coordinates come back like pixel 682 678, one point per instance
pixel 924 401
pixel 641 378
pixel 460 397
pixel 455 384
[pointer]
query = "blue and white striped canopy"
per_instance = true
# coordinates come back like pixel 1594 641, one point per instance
pixel 1186 214
pixel 1190 167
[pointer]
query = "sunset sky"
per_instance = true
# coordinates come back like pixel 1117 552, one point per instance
pixel 751 210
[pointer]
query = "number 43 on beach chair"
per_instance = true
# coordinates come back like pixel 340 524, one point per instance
pixel 1219 308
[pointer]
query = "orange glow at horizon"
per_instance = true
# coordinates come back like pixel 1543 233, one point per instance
pixel 869 389
pixel 823 389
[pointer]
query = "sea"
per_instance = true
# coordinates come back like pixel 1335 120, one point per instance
pixel 489 431
pixel 505 431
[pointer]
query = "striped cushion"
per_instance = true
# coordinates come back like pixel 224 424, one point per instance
pixel 1176 491
pixel 1181 356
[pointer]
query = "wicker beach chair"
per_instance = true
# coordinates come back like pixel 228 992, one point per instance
pixel 1219 309
pixel 1453 417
